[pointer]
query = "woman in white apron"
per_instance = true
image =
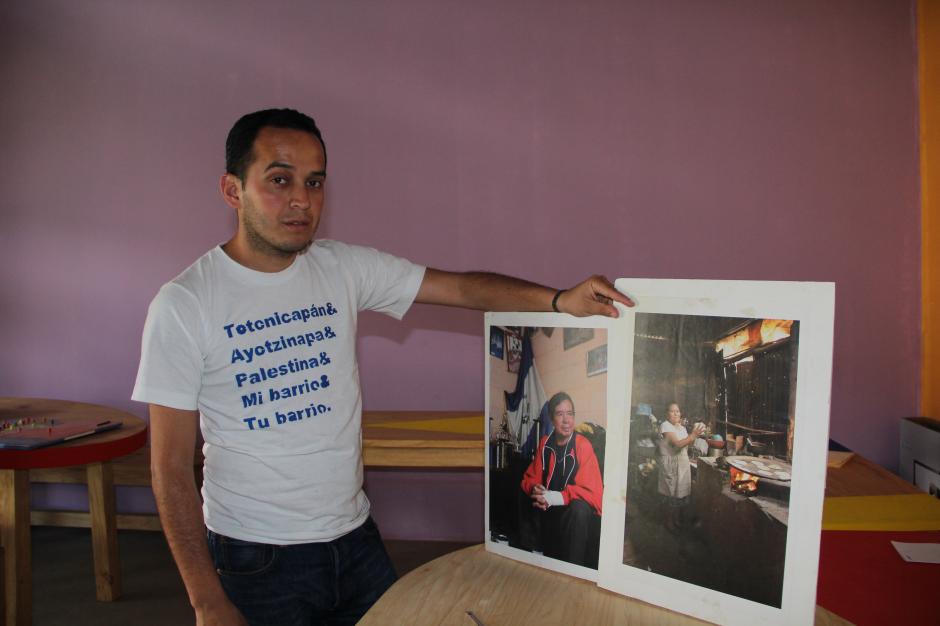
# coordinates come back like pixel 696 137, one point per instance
pixel 675 473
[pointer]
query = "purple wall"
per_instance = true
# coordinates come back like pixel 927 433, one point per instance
pixel 733 140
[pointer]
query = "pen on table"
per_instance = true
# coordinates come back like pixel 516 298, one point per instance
pixel 88 432
pixel 476 620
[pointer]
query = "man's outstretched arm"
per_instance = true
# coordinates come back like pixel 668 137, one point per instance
pixel 172 442
pixel 495 292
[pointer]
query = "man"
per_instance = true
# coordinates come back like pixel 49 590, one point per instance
pixel 564 486
pixel 255 344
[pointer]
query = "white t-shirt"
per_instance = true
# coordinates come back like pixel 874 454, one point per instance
pixel 269 360
pixel 679 430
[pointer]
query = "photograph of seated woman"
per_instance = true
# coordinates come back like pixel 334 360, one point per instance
pixel 564 487
pixel 675 473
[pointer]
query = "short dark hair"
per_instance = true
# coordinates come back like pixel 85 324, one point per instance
pixel 241 139
pixel 557 399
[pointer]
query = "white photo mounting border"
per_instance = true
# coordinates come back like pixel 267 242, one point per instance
pixel 812 306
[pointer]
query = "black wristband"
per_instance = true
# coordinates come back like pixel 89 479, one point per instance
pixel 555 300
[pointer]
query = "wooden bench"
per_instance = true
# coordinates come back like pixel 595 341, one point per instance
pixel 132 470
pixel 409 439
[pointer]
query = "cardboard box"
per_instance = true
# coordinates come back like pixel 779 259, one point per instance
pixel 920 453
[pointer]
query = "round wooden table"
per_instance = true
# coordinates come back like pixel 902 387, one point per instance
pixel 501 592
pixel 95 452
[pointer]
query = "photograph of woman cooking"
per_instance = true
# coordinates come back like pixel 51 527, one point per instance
pixel 710 449
pixel 675 471
pixel 548 419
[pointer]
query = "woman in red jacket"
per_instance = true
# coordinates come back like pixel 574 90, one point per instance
pixel 564 484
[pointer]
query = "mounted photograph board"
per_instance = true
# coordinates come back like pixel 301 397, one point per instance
pixel 517 403
pixel 752 362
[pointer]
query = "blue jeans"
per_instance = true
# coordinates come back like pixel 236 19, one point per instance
pixel 334 582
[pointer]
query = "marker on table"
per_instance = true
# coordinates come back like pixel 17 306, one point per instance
pixel 88 432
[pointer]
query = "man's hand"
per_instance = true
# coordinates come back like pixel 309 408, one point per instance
pixel 538 498
pixel 594 296
pixel 222 614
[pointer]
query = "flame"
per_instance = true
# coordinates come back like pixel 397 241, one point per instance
pixel 733 344
pixel 742 482
pixel 774 330
pixel 757 333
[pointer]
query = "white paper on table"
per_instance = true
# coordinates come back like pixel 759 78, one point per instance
pixel 918 552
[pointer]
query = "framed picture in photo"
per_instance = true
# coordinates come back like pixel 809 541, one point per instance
pixel 576 336
pixel 597 361
pixel 497 339
pixel 513 351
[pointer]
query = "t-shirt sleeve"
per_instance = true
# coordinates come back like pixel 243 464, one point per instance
pixel 171 355
pixel 666 427
pixel 386 283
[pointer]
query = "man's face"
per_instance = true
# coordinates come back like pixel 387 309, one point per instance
pixel 282 196
pixel 563 419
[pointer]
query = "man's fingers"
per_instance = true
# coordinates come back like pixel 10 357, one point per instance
pixel 605 289
pixel 594 296
pixel 601 308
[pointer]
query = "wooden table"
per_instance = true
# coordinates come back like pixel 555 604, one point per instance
pixel 95 452
pixel 503 592
pixel 861 477
pixel 441 439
